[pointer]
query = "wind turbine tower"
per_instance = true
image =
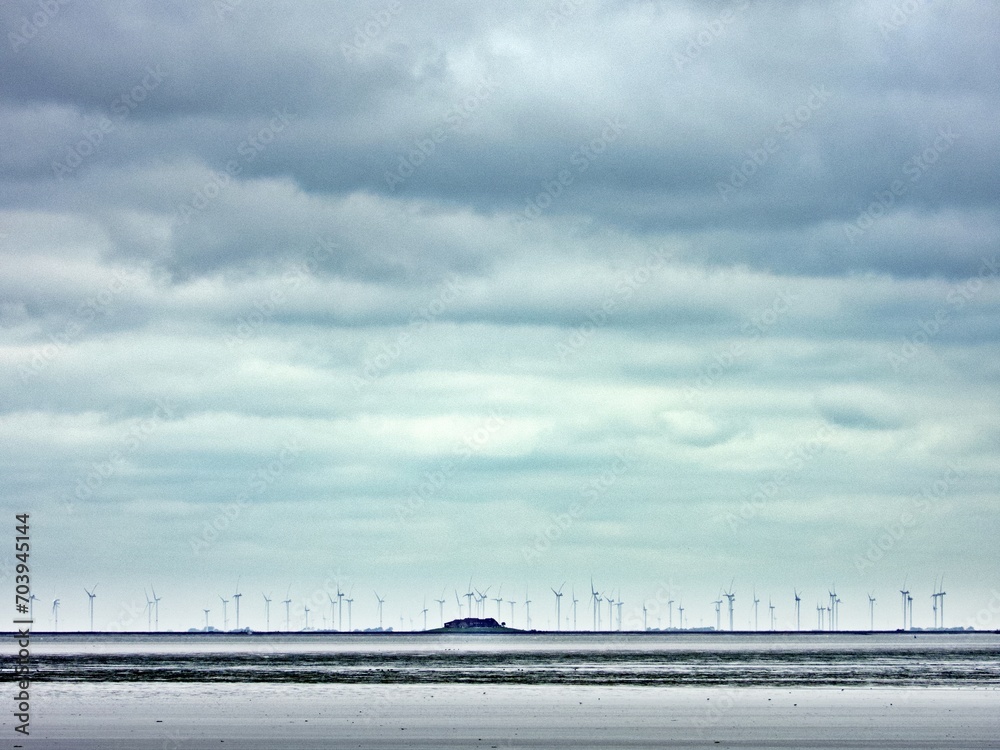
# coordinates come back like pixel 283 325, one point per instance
pixel 236 597
pixel 225 614
pixel 349 601
pixel 575 602
pixel 156 605
pixel 55 613
pixel 904 593
pixel 267 611
pixel 288 610
pixel 756 601
pixel 559 606
pixel 441 608
pixel 206 611
pixel 798 611
pixel 871 612
pixel 771 608
pixel 381 601
pixel 527 610
pixel 92 596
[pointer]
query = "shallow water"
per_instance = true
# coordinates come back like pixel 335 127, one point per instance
pixel 888 659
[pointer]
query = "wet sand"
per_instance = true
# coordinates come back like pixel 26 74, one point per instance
pixel 191 716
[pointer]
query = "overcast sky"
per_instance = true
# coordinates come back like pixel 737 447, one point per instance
pixel 672 295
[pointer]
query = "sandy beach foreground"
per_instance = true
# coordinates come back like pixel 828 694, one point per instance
pixel 192 716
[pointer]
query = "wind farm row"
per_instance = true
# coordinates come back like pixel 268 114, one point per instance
pixel 331 609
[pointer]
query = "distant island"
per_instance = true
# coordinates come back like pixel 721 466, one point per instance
pixel 475 625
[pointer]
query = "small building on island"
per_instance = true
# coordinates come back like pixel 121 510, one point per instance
pixel 467 623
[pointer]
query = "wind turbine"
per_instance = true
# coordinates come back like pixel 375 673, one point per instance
pixel 306 609
pixel 619 604
pixel 731 597
pixel 511 602
pixel 909 602
pixel 904 592
pixel 349 601
pixel 237 596
pixel 611 611
pixel 670 614
pixel 156 604
pixel 31 606
pixel 424 613
pixel 381 601
pixel 206 611
pixel 333 610
pixel 92 596
pixel 481 601
pixel 820 610
pixel 559 606
pixel 833 608
pixel 575 602
pixel 718 614
pixel 871 612
pixel 267 611
pixel 527 610
pixel 468 595
pixel 941 593
pixel 756 601
pixel 441 608
pixel 149 612
pixel 458 599
pixel 644 628
pixel 499 601
pixel 680 613
pixel 771 608
pixel 225 615
pixel 55 612
pixel 597 605
pixel 798 610
pixel 288 609
pixel 340 607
